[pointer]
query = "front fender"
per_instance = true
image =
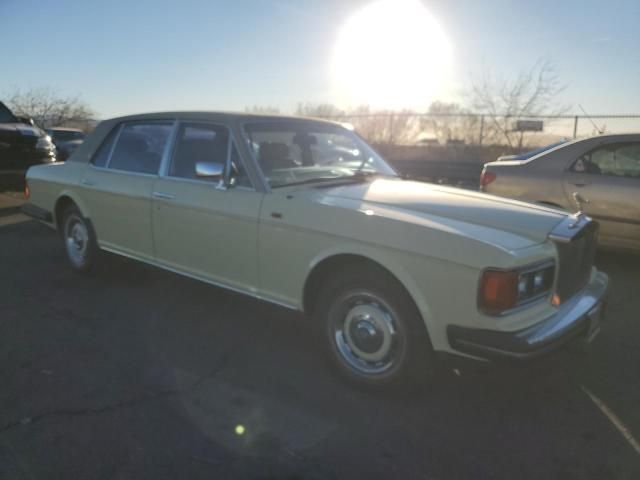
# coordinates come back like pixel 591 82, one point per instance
pixel 395 262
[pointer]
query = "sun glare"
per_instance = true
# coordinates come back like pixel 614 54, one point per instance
pixel 391 54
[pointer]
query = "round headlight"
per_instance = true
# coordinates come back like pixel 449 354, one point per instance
pixel 44 143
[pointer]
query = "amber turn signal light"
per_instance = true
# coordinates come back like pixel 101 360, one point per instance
pixel 498 291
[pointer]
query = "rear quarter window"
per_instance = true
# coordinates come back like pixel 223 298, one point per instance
pixel 101 157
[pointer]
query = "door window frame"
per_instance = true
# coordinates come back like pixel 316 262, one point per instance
pixel 120 127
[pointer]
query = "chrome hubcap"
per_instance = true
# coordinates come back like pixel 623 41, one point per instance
pixel 366 334
pixel 76 240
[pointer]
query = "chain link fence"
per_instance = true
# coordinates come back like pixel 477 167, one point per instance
pixel 452 148
pixel 481 129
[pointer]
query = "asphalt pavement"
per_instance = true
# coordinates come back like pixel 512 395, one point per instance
pixel 136 373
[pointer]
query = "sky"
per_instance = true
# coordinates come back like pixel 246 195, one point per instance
pixel 128 56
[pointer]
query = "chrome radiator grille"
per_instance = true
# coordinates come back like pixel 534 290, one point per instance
pixel 575 258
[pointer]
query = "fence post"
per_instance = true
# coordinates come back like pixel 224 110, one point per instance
pixel 481 129
pixel 575 126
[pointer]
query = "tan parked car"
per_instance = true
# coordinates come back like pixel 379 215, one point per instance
pixel 599 175
pixel 303 213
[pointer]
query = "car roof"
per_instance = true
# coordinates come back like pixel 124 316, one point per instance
pixel 94 140
pixel 610 137
pixel 216 116
pixel 589 142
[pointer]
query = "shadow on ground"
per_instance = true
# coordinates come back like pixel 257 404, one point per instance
pixel 134 372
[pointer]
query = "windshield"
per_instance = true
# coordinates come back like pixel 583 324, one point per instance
pixel 5 114
pixel 292 152
pixel 535 152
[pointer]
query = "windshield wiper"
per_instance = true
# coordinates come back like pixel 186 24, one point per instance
pixel 358 176
pixel 308 180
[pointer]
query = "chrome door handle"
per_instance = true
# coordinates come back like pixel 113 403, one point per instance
pixel 164 196
pixel 88 183
pixel 579 184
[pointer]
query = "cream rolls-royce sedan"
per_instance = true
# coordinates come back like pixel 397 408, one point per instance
pixel 304 214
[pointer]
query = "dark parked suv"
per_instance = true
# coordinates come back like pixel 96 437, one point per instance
pixel 22 143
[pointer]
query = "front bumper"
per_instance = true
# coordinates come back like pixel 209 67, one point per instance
pixel 577 318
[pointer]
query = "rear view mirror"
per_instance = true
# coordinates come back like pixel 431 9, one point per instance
pixel 209 169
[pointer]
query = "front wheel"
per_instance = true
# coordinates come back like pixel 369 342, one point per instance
pixel 79 240
pixel 374 333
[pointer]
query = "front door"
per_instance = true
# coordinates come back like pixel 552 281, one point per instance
pixel 117 186
pixel 207 226
pixel 608 180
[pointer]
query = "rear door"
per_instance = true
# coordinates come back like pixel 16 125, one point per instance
pixel 608 178
pixel 117 185
pixel 207 227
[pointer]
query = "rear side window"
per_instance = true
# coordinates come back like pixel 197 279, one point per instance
pixel 139 147
pixel 101 157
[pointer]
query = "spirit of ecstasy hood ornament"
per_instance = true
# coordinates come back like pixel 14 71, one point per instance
pixel 580 201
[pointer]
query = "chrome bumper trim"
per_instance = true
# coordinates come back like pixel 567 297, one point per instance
pixel 572 320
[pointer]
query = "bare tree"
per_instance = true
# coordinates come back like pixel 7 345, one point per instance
pixel 268 110
pixel 451 122
pixel 321 110
pixel 532 92
pixel 377 126
pixel 48 108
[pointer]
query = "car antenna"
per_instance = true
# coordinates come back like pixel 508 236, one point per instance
pixel 599 130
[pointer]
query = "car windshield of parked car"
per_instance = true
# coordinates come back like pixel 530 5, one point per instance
pixel 291 153
pixel 5 114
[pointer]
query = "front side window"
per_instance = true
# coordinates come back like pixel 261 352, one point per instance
pixel 293 152
pixel 620 160
pixel 627 158
pixel 139 147
pixel 198 143
pixel 209 144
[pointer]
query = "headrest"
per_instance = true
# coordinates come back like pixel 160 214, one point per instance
pixel 305 139
pixel 270 151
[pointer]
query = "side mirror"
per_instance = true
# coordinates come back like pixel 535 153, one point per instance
pixel 209 169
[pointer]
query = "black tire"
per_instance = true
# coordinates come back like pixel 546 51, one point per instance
pixel 356 311
pixel 78 240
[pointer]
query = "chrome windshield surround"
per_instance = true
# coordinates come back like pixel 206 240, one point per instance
pixel 569 228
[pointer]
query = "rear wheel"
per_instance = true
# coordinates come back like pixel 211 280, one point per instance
pixel 374 334
pixel 79 240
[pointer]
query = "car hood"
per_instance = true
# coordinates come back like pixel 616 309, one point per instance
pixel 20 129
pixel 530 221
